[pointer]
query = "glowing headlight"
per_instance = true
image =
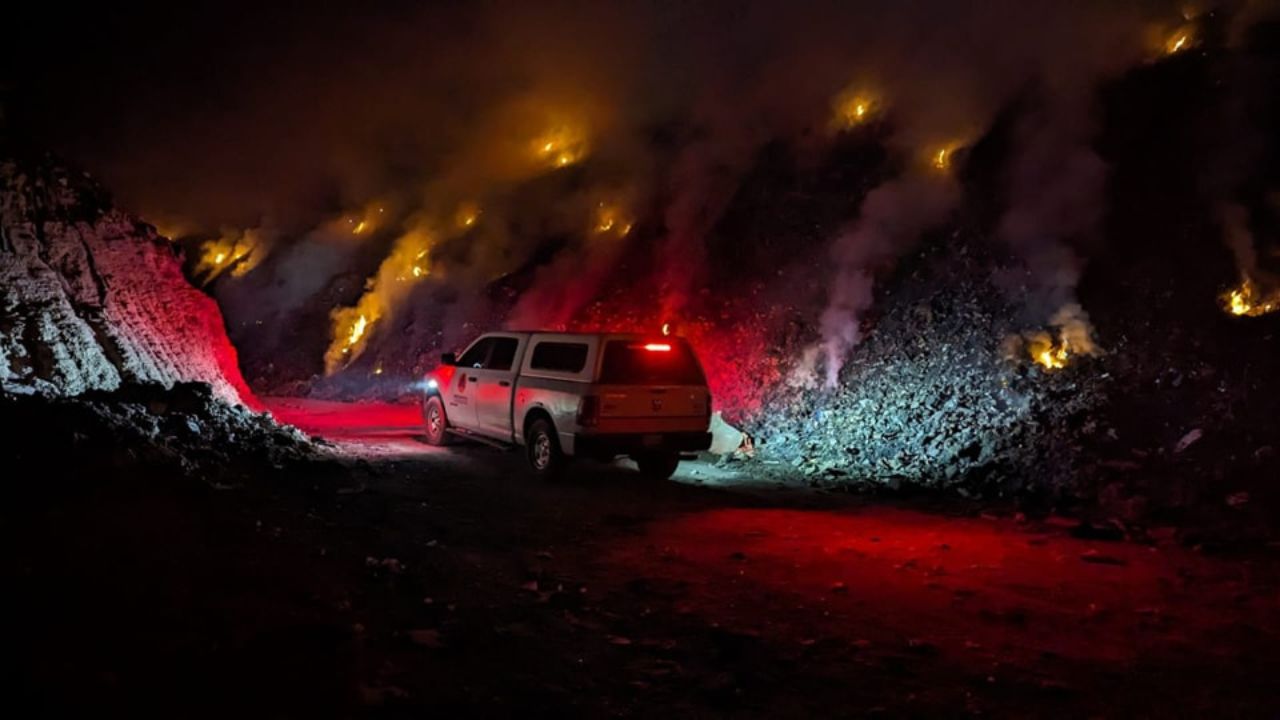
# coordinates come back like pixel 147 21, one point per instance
pixel 432 384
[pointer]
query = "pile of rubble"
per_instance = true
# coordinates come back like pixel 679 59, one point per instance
pixel 928 399
pixel 146 430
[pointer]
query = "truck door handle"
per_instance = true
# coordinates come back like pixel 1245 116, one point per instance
pixel 472 378
pixel 504 383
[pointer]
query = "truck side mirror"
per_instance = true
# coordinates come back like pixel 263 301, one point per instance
pixel 449 359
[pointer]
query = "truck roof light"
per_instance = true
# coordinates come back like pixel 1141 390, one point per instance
pixel 658 347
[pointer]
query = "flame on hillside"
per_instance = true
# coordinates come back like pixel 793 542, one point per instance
pixel 367 220
pixel 941 158
pixel 610 219
pixel 235 251
pixel 560 147
pixel 1055 350
pixel 467 216
pixel 408 262
pixel 1182 39
pixel 1247 300
pixel 852 108
pixel 1046 353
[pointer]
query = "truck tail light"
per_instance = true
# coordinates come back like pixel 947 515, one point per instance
pixel 589 411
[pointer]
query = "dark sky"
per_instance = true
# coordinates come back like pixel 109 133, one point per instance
pixel 225 112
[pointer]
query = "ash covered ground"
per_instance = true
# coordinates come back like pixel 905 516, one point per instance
pixel 1008 406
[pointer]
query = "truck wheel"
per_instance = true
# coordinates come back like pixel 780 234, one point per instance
pixel 434 421
pixel 543 448
pixel 658 465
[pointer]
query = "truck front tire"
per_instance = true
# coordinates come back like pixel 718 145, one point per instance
pixel 434 421
pixel 542 445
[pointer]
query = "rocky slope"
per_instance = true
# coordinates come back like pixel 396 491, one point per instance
pixel 91 298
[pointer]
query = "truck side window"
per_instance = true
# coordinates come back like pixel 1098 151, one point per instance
pixel 476 355
pixel 504 353
pixel 559 356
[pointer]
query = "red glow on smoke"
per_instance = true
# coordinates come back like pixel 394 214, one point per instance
pixel 740 359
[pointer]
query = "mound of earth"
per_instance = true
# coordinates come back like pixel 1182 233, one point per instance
pixel 91 298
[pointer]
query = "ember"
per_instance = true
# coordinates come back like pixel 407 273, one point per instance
pixel 610 219
pixel 366 220
pixel 941 158
pixel 561 147
pixel 467 216
pixel 852 108
pixel 1182 39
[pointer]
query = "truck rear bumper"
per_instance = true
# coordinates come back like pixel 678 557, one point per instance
pixel 631 443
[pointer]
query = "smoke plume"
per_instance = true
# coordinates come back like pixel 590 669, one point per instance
pixel 453 146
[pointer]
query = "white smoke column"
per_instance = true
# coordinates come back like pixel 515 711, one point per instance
pixel 1056 188
pixel 1056 181
pixel 1235 221
pixel 893 216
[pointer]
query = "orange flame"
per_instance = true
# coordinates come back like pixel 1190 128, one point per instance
pixel 852 108
pixel 407 263
pixel 561 146
pixel 1182 39
pixel 611 219
pixel 1248 300
pixel 237 252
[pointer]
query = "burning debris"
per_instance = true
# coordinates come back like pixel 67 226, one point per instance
pixel 561 147
pixel 941 159
pixel 236 251
pixel 368 220
pixel 1074 339
pixel 408 263
pixel 610 219
pixel 1247 300
pixel 925 400
pixel 853 108
pixel 1182 39
pixel 467 216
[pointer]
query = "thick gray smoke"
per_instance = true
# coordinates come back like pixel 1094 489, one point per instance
pixel 893 215
pixel 1055 179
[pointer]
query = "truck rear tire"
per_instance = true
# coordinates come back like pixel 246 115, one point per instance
pixel 542 446
pixel 658 465
pixel 434 422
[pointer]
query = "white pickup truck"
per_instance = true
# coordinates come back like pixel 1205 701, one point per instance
pixel 563 395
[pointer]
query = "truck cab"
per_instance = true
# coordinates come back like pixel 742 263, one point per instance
pixel 565 395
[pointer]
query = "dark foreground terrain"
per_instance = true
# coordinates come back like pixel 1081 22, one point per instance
pixel 416 580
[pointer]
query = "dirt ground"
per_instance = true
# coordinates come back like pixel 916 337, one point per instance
pixel 445 581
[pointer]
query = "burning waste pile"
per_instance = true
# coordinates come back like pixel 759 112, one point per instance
pixel 934 397
pixel 586 197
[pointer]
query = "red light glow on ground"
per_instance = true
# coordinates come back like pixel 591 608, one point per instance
pixel 980 589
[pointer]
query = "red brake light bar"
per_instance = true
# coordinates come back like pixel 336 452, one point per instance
pixel 658 347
